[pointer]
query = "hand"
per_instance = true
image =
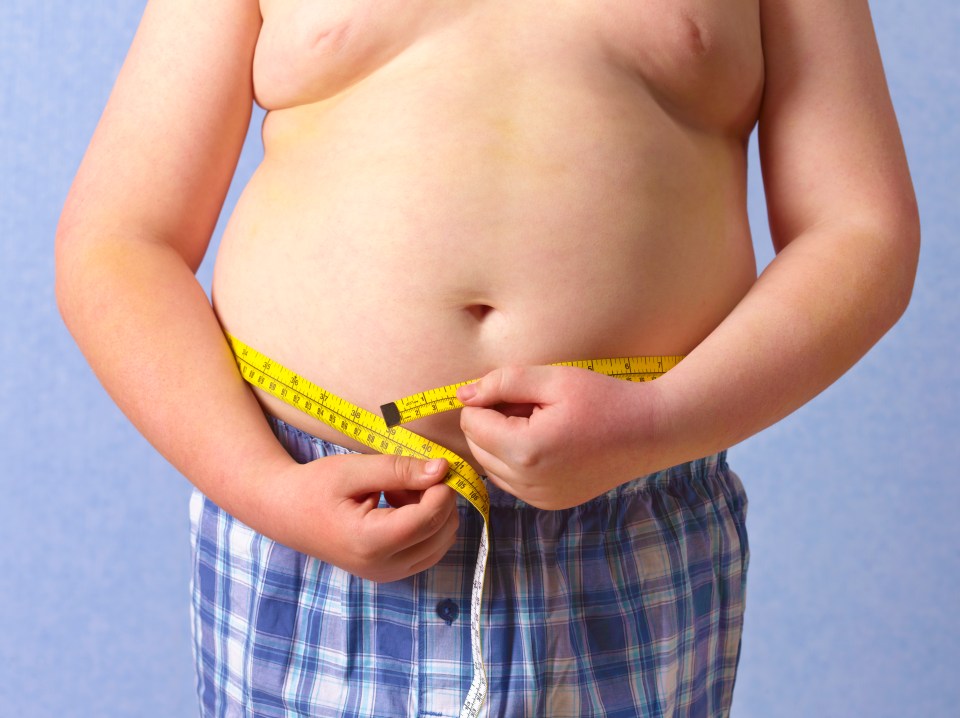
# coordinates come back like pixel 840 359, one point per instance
pixel 556 437
pixel 328 508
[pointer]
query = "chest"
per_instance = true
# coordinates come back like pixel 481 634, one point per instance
pixel 701 59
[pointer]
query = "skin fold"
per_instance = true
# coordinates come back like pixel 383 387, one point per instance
pixel 478 189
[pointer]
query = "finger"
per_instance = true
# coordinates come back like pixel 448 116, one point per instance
pixel 392 473
pixel 422 555
pixel 433 559
pixel 411 524
pixel 508 385
pixel 402 497
pixel 494 466
pixel 497 434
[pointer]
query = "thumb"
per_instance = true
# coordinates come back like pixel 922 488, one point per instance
pixel 395 473
pixel 508 385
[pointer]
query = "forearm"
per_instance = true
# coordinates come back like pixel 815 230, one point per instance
pixel 816 309
pixel 145 325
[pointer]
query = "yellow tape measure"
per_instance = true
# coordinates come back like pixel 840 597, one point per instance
pixel 387 437
pixel 350 420
pixel 371 430
pixel 444 398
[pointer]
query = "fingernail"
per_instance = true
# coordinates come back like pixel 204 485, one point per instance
pixel 467 392
pixel 433 467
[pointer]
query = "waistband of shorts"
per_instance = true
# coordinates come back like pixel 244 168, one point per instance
pixel 305 447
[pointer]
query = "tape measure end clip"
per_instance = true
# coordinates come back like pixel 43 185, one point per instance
pixel 391 414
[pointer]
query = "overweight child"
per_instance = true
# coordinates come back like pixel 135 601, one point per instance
pixel 478 190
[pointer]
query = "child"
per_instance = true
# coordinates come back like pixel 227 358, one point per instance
pixel 478 190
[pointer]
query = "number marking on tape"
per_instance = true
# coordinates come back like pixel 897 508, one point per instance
pixel 444 398
pixel 386 436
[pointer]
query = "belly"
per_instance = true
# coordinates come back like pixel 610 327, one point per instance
pixel 411 233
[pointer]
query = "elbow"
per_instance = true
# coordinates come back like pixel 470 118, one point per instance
pixel 64 270
pixel 901 254
pixel 907 257
pixel 79 254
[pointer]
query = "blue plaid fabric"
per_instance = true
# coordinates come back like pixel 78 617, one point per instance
pixel 629 605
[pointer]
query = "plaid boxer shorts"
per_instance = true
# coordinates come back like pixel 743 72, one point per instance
pixel 628 605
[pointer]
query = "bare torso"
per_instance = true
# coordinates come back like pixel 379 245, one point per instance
pixel 451 187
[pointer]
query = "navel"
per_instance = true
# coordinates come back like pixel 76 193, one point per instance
pixel 478 311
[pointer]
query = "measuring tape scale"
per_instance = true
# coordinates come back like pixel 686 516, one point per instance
pixel 444 398
pixel 387 437
pixel 371 430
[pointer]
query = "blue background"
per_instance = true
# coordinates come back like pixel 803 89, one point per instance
pixel 854 589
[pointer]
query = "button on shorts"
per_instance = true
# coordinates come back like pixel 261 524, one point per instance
pixel 628 605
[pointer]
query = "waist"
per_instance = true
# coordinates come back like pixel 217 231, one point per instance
pixel 289 395
pixel 684 480
pixel 371 347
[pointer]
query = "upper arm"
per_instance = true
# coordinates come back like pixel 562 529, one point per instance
pixel 164 152
pixel 830 147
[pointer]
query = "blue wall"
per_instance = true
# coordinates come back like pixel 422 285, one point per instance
pixel 855 581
